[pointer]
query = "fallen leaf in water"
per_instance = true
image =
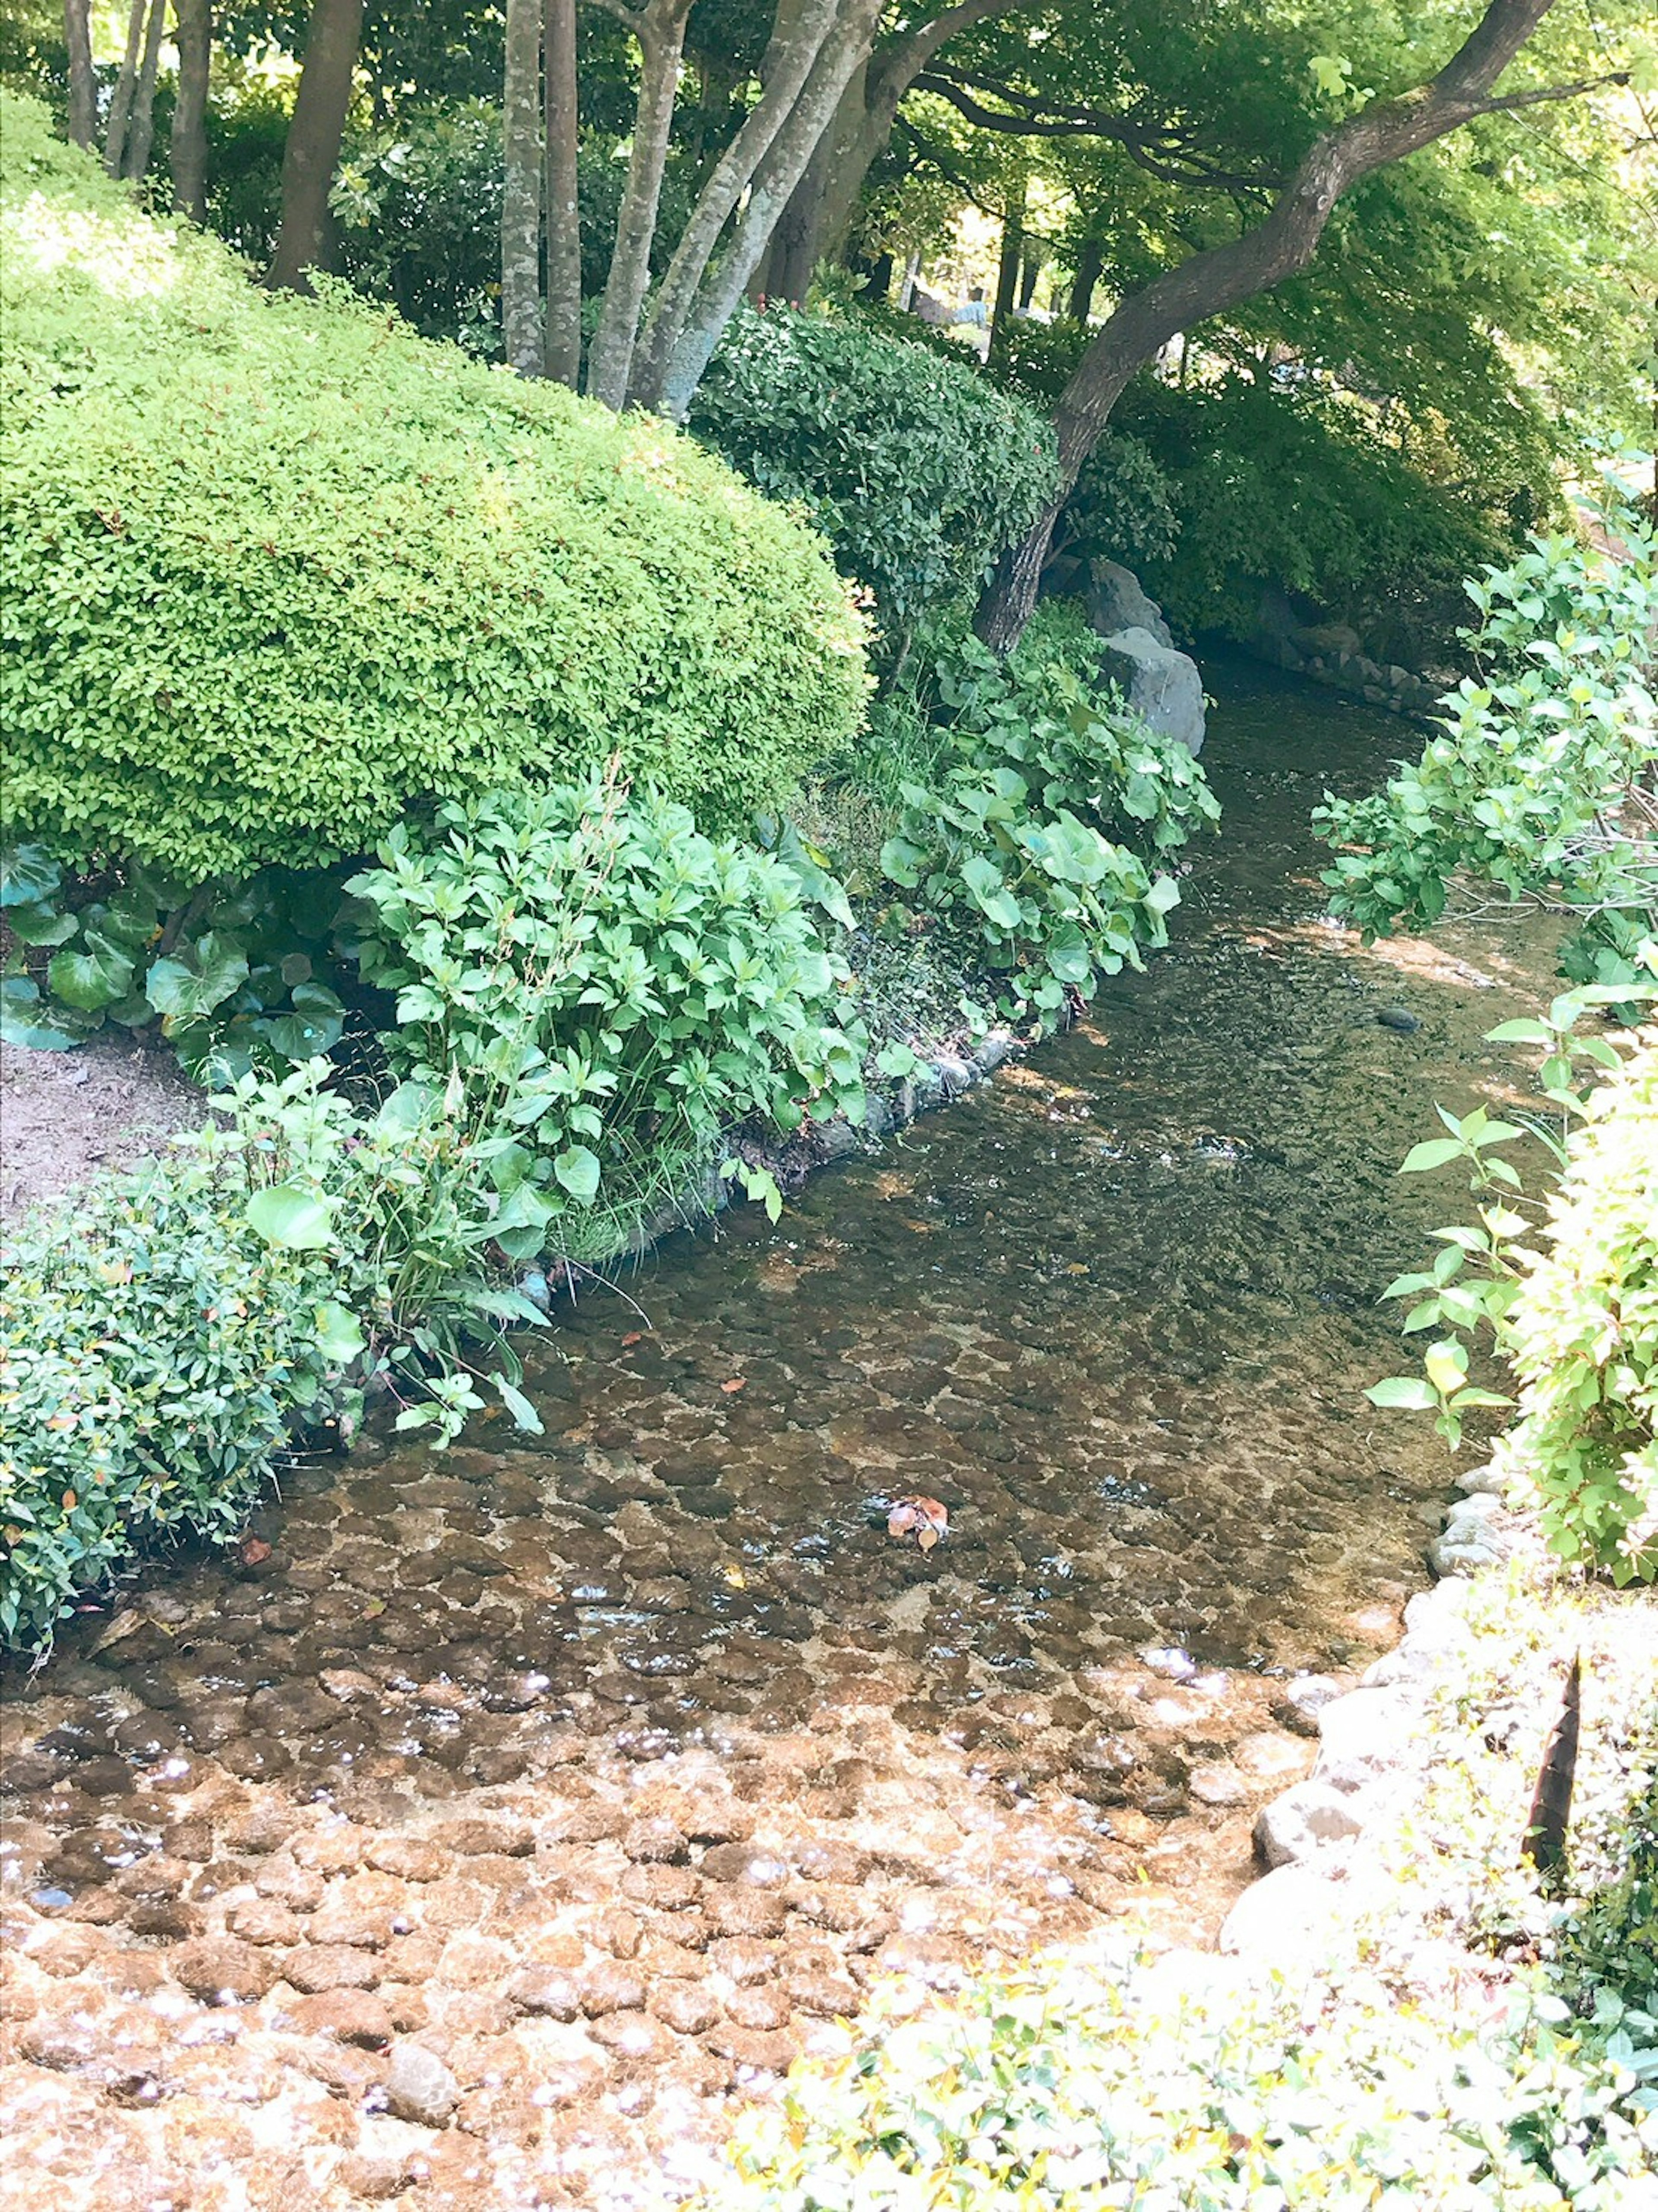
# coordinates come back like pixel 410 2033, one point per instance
pixel 922 1518
pixel 737 1383
pixel 633 1336
pixel 254 1551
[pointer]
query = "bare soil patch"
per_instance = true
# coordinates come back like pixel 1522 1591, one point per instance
pixel 64 1115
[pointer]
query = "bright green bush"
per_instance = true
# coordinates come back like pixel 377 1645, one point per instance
pixel 917 471
pixel 162 1341
pixel 276 571
pixel 1034 836
pixel 1527 784
pixel 610 991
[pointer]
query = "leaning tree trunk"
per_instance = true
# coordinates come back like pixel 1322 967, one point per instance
pixel 82 83
pixel 121 105
pixel 1280 247
pixel 141 132
pixel 661 34
pixel 193 20
pixel 520 200
pixel 313 141
pixel 562 360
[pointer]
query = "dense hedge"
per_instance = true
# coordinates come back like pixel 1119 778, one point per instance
pixel 917 470
pixel 274 570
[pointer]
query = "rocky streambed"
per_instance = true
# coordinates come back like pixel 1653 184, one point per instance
pixel 517 1809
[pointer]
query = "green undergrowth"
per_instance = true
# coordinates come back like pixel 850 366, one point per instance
pixel 1475 2044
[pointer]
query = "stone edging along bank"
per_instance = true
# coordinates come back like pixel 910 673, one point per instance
pixel 1318 1837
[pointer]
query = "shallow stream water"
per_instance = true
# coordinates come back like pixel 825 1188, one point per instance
pixel 609 1767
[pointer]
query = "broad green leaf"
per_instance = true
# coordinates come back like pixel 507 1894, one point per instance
pixel 523 1412
pixel 292 1217
pixel 41 923
pixel 339 1334
pixel 578 1172
pixel 26 1020
pixel 1403 1392
pixel 92 980
pixel 1446 1365
pixel 198 979
pixel 1431 1152
pixel 28 874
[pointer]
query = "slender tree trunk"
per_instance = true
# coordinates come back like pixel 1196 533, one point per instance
pixel 1007 272
pixel 141 132
pixel 907 289
pixel 193 20
pixel 684 360
pixel 795 249
pixel 561 361
pixel 661 34
pixel 1281 245
pixel 121 105
pixel 313 141
pixel 521 201
pixel 1030 267
pixel 82 84
pixel 799 33
pixel 1090 261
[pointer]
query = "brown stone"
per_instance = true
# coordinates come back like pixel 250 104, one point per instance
pixel 619 1932
pixel 611 1987
pixel 330 1850
pixel 634 2035
pixel 656 1843
pixel 665 1888
pixel 345 2016
pixel 687 2007
pixel 546 1992
pixel 742 1911
pixel 221 1971
pixel 748 1865
pixel 513 1840
pixel 316 1966
pixel 763 2006
pixel 263 1920
pixel 411 1858
pixel 752 2049
pixel 824 1996
pixel 299 1887
pixel 744 1960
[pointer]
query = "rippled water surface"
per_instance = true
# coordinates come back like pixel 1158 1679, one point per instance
pixel 607 1766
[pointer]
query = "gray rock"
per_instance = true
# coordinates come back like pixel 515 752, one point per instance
pixel 1118 601
pixel 836 1140
pixel 1363 1736
pixel 1304 1820
pixel 1398 1018
pixel 877 1118
pixel 1465 1547
pixel 1482 1482
pixel 955 1076
pixel 991 1051
pixel 419 2087
pixel 1158 683
pixel 1304 1697
pixel 1288 1918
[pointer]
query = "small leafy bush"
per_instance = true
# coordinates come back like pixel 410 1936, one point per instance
pixel 610 990
pixel 234 974
pixel 917 471
pixel 1566 1293
pixel 1026 839
pixel 1542 771
pixel 276 571
pixel 162 1344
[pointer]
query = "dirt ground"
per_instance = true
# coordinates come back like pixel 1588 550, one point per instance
pixel 64 1115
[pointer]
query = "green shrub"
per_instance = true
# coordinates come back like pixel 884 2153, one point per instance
pixel 1028 839
pixel 610 991
pixel 276 571
pixel 162 1342
pixel 917 471
pixel 1567 1292
pixel 1527 785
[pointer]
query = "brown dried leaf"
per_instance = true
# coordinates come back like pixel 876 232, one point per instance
pixel 737 1383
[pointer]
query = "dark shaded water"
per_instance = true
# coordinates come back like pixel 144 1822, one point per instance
pixel 606 1764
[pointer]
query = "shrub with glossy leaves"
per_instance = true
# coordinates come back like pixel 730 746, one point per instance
pixel 609 990
pixel 277 570
pixel 917 470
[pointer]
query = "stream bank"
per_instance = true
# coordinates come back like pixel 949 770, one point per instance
pixel 522 1807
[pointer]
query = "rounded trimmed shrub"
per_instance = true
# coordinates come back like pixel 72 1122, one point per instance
pixel 277 570
pixel 916 468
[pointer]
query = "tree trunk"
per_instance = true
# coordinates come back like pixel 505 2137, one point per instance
pixel 521 199
pixel 141 131
pixel 561 361
pixel 1030 267
pixel 121 105
pixel 1090 263
pixel 1007 271
pixel 313 141
pixel 801 30
pixel 193 22
pixel 610 357
pixel 82 84
pixel 1281 245
pixel 797 243
pixel 683 362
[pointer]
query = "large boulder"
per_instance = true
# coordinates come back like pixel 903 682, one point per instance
pixel 1159 682
pixel 1117 600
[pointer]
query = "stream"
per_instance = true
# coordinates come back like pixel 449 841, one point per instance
pixel 608 1767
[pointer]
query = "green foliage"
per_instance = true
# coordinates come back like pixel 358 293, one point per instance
pixel 609 991
pixel 1024 839
pixel 277 571
pixel 917 471
pixel 234 974
pixel 160 1344
pixel 1567 1293
pixel 1537 779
